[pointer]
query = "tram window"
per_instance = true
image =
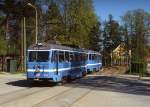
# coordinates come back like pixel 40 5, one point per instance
pixel 54 56
pixel 66 56
pixel 71 56
pixel 38 56
pixel 76 56
pixel 90 56
pixel 85 57
pixel 32 56
pixel 61 57
pixel 93 57
pixel 81 57
pixel 98 57
pixel 43 56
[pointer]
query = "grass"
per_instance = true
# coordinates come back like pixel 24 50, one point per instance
pixel 16 72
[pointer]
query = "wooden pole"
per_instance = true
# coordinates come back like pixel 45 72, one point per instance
pixel 24 21
pixel 22 47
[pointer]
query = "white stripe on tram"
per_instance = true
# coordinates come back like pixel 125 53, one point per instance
pixel 93 64
pixel 60 69
pixel 52 70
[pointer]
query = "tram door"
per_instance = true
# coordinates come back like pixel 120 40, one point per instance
pixel 55 61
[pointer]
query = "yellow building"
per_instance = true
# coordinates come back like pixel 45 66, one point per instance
pixel 120 55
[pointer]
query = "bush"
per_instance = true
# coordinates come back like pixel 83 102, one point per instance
pixel 138 68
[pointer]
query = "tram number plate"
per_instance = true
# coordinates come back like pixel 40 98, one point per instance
pixel 45 75
pixel 37 75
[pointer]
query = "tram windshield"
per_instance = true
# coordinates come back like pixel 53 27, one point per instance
pixel 38 56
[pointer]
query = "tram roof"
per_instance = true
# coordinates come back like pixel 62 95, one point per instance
pixel 92 52
pixel 46 46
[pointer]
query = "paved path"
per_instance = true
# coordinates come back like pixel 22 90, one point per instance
pixel 91 91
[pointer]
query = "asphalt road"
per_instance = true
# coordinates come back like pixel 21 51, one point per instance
pixel 91 91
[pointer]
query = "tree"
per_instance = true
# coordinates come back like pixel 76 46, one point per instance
pixel 137 23
pixel 95 39
pixel 70 22
pixel 50 23
pixel 3 43
pixel 112 37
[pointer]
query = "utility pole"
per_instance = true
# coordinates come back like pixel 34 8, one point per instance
pixel 24 35
pixel 24 42
pixel 22 45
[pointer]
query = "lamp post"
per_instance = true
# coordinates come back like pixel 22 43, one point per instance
pixel 36 27
pixel 24 34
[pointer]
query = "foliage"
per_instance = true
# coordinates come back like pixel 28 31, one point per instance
pixel 3 43
pixel 95 39
pixel 67 21
pixel 136 23
pixel 112 37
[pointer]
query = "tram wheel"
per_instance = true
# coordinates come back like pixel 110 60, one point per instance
pixel 84 73
pixel 69 79
pixel 63 81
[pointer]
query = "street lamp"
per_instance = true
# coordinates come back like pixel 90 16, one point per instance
pixel 36 27
pixel 24 33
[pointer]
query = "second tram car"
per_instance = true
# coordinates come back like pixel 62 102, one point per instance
pixel 93 61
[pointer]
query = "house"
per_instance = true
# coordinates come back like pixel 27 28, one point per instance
pixel 120 55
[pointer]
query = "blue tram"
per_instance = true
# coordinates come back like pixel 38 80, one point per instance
pixel 57 62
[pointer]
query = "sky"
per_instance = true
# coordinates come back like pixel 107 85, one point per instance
pixel 118 7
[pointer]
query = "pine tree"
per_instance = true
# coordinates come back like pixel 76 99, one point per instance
pixel 95 39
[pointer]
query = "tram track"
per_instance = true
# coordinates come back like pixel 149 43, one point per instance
pixel 13 91
pixel 66 98
pixel 53 96
pixel 80 98
pixel 2 80
pixel 12 96
pixel 6 88
pixel 36 96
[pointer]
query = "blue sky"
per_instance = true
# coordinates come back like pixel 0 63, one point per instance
pixel 118 7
